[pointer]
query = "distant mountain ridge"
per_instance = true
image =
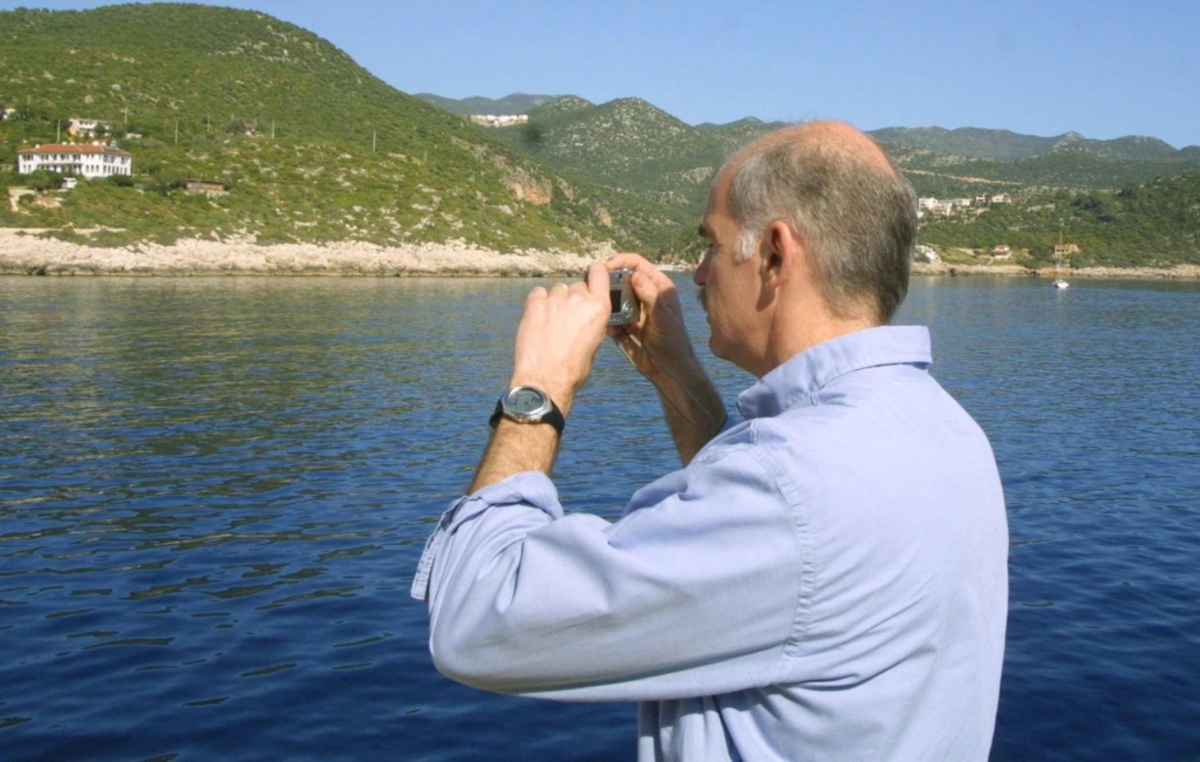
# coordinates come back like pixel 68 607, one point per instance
pixel 1005 145
pixel 971 142
pixel 635 146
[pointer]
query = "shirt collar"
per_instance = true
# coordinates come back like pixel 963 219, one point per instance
pixel 795 381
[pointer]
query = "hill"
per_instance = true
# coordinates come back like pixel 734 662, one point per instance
pixel 632 145
pixel 737 134
pixel 313 146
pixel 626 143
pixel 1004 145
pixel 1154 224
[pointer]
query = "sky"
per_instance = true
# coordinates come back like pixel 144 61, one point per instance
pixel 1102 68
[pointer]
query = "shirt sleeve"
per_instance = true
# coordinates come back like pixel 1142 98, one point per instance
pixel 695 591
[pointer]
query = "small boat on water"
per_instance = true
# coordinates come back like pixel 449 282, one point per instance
pixel 1059 252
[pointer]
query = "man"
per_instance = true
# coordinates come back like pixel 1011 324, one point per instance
pixel 825 579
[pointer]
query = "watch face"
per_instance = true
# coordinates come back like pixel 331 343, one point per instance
pixel 525 400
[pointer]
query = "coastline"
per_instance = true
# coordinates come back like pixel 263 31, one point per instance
pixel 23 252
pixel 941 269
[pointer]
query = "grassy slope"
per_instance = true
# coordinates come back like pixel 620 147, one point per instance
pixel 1150 225
pixel 625 143
pixel 212 72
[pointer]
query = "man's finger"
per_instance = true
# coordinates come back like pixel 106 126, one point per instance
pixel 640 264
pixel 597 279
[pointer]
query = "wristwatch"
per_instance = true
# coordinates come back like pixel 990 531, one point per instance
pixel 525 404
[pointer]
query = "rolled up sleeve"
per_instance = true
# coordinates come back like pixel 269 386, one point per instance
pixel 695 591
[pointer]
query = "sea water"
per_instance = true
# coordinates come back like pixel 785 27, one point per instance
pixel 213 492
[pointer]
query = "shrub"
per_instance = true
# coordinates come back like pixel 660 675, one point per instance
pixel 42 181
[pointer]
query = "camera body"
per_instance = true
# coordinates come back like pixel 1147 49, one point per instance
pixel 625 305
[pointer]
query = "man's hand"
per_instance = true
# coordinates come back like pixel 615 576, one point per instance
pixel 660 331
pixel 659 347
pixel 559 334
pixel 557 340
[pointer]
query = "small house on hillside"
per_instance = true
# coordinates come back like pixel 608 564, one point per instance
pixel 1003 251
pixel 207 187
pixel 927 252
pixel 1063 249
pixel 86 160
pixel 86 127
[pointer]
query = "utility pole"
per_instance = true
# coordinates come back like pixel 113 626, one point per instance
pixel 272 129
pixel 176 132
pixel 58 134
pixel 372 141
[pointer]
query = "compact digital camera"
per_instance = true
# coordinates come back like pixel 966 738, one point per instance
pixel 625 305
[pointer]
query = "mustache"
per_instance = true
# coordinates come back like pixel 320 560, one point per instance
pixel 702 297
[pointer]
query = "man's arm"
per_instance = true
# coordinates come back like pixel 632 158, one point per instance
pixel 687 597
pixel 513 448
pixel 557 339
pixel 659 347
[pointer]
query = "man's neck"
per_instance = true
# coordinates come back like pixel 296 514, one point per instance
pixel 799 334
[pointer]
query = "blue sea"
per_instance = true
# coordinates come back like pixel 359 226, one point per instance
pixel 213 492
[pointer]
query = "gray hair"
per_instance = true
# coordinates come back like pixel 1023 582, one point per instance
pixel 858 221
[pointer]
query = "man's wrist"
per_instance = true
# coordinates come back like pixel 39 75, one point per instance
pixel 561 396
pixel 527 404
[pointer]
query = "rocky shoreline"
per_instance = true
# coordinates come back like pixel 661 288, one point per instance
pixel 24 252
pixel 1178 272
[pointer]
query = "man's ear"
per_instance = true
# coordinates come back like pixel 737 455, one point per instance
pixel 780 253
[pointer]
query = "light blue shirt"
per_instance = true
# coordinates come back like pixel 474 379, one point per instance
pixel 826 580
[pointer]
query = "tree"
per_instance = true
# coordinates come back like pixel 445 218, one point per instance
pixel 43 180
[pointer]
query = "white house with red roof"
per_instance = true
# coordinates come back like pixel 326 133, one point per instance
pixel 86 160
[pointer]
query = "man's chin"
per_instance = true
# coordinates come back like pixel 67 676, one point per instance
pixel 714 346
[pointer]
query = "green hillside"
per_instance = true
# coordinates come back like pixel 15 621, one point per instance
pixel 1005 145
pixel 967 161
pixel 1155 224
pixel 626 143
pixel 313 146
pixel 737 134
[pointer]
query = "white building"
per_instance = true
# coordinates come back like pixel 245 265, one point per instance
pixel 86 127
pixel 501 120
pixel 86 160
